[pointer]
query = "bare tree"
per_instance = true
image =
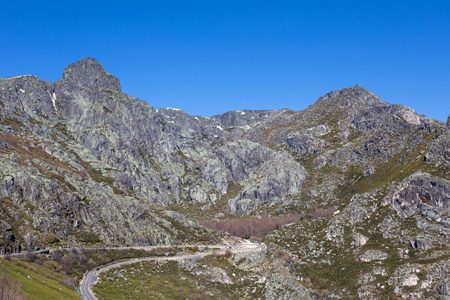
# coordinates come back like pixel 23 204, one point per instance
pixel 247 227
pixel 10 289
pixel 228 253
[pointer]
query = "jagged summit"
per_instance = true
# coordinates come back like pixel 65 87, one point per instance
pixel 355 96
pixel 90 73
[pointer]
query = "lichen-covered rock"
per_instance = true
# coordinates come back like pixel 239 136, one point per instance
pixel 267 176
pixel 371 255
pixel 280 286
pixel 424 192
pixel 360 240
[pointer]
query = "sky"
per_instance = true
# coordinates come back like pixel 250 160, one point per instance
pixel 208 57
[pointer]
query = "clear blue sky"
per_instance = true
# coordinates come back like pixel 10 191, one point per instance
pixel 209 57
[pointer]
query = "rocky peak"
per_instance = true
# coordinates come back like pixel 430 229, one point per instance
pixel 243 118
pixel 91 74
pixel 355 97
pixel 448 121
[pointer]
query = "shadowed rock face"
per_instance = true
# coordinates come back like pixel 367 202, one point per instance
pixel 88 74
pixel 81 159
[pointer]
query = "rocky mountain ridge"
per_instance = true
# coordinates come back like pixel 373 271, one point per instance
pixel 84 163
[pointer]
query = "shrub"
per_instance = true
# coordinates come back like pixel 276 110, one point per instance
pixel 50 238
pixel 84 174
pixel 228 253
pixel 10 289
pixel 29 256
pixel 10 139
pixel 323 212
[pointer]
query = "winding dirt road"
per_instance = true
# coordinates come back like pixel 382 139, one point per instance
pixel 91 277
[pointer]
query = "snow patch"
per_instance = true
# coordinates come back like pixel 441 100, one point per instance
pixel 53 96
pixel 243 113
pixel 411 280
pixel 13 77
pixel 22 90
pixel 219 127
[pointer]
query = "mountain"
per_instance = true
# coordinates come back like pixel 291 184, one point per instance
pixel 83 163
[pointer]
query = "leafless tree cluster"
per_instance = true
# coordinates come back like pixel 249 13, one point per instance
pixel 83 173
pixel 248 227
pixel 323 212
pixel 10 289
pixel 10 139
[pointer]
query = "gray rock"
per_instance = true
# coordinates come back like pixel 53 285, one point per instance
pixel 359 239
pixel 421 243
pixel 303 143
pixel 280 286
pixel 419 189
pixel 444 289
pixel 371 255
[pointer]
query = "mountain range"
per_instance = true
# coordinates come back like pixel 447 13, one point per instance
pixel 83 163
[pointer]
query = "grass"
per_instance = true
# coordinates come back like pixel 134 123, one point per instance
pixel 169 280
pixel 38 282
pixel 15 123
pixel 87 237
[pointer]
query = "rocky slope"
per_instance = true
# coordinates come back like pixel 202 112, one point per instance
pixel 83 163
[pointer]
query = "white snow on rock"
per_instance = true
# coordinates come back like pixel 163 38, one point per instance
pixel 411 280
pixel 54 100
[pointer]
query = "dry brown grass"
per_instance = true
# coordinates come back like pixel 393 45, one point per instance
pixel 10 289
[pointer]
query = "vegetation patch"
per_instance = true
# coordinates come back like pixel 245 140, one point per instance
pixel 213 277
pixel 38 282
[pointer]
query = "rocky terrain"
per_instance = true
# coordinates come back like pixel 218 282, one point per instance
pixel 264 274
pixel 83 163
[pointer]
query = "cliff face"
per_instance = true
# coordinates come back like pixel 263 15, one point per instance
pixel 84 161
pixel 80 155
